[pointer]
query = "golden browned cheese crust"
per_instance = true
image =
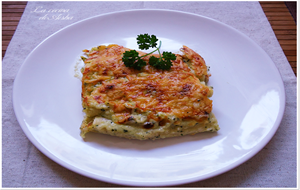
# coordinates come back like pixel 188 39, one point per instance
pixel 144 101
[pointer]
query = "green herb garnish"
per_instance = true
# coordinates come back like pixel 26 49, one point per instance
pixel 132 59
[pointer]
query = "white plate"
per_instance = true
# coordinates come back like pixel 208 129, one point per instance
pixel 248 100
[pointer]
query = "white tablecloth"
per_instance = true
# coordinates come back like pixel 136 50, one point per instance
pixel 23 165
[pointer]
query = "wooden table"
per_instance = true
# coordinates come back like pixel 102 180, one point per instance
pixel 278 14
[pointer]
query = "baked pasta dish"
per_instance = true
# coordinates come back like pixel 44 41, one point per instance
pixel 149 103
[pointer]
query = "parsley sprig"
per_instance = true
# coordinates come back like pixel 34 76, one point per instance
pixel 132 59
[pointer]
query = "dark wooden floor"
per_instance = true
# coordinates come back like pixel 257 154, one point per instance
pixel 11 15
pixel 284 27
pixel 278 14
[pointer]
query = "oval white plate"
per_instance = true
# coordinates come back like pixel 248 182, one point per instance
pixel 248 100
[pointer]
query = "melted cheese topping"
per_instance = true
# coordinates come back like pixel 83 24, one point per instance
pixel 106 80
